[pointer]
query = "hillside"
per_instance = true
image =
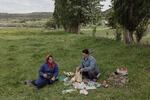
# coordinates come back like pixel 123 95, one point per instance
pixel 26 16
pixel 35 19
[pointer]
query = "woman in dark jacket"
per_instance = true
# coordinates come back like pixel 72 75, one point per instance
pixel 47 74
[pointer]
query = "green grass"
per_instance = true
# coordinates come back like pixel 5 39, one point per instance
pixel 22 51
pixel 107 32
pixel 104 31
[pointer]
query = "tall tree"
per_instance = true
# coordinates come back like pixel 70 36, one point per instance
pixel 95 15
pixel 72 13
pixel 129 14
pixel 140 30
pixel 110 17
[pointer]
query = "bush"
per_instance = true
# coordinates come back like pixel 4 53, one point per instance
pixel 50 24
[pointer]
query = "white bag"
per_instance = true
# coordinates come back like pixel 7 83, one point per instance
pixel 77 77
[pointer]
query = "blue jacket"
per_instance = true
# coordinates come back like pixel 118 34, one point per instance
pixel 49 71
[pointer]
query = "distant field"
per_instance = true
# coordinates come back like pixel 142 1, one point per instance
pixel 24 23
pixel 36 19
pixel 102 31
pixel 23 50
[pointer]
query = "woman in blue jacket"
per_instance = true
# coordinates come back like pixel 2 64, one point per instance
pixel 47 74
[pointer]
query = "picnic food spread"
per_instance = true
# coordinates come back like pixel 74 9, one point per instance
pixel 75 80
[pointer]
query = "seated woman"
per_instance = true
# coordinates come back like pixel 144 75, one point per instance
pixel 88 66
pixel 47 74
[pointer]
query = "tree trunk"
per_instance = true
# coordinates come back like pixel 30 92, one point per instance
pixel 73 29
pixel 127 37
pixel 118 35
pixel 94 31
pixel 66 28
pixel 131 33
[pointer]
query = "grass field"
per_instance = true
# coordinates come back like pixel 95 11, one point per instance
pixel 107 32
pixel 22 51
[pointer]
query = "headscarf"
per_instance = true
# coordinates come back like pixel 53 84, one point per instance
pixel 50 65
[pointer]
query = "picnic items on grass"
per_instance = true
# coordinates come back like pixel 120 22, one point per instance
pixel 84 91
pixel 77 76
pixel 117 79
pixel 68 91
pixel 69 74
pixel 77 83
pixel 122 71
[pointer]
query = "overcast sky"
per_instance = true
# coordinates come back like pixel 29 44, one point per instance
pixel 27 6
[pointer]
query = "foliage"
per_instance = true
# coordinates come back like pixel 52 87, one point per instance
pixel 72 13
pixel 112 22
pixel 140 30
pixel 129 14
pixel 50 24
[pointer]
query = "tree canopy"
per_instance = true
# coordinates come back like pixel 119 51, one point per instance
pixel 72 13
pixel 129 14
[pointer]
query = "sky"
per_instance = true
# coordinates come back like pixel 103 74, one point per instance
pixel 28 6
pixel 106 4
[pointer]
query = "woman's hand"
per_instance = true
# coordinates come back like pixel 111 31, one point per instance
pixel 45 75
pixel 53 78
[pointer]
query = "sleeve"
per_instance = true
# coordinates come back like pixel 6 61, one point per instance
pixel 56 71
pixel 41 71
pixel 91 66
pixel 81 64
